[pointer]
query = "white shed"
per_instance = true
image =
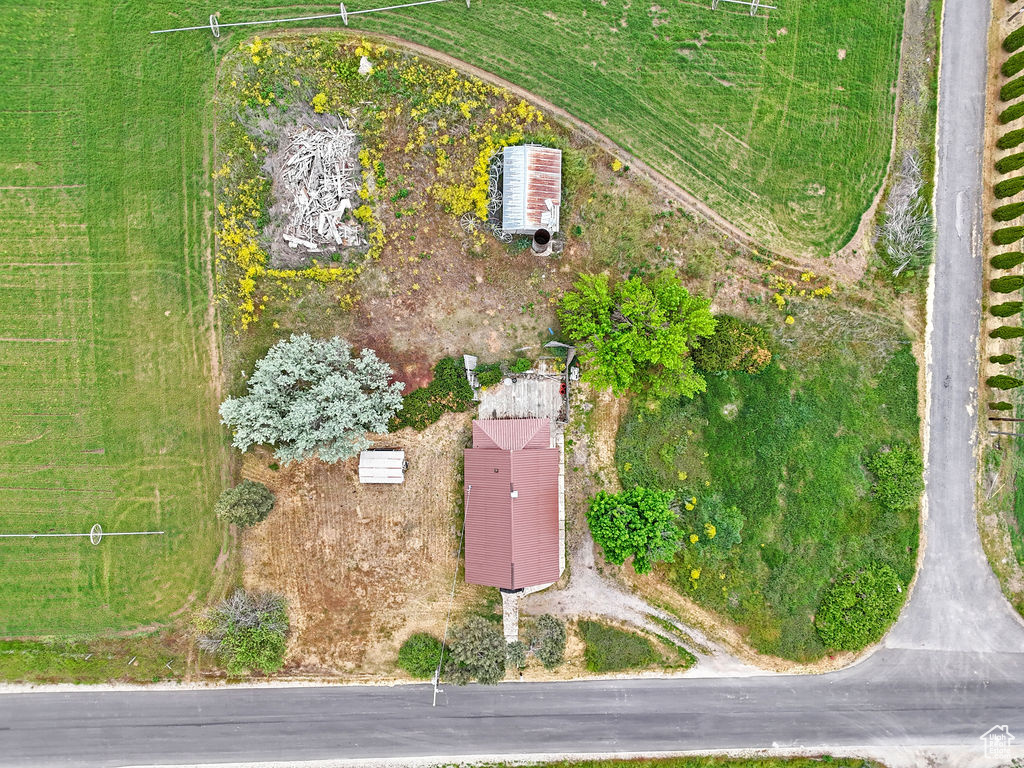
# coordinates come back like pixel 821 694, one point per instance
pixel 381 466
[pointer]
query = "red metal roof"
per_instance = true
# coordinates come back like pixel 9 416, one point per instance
pixel 512 504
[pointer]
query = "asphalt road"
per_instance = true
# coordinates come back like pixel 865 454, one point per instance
pixel 951 668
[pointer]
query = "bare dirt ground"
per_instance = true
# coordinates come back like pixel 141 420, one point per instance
pixel 362 566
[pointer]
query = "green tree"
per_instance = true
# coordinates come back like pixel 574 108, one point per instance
pixel 638 523
pixel 859 607
pixel 637 335
pixel 735 346
pixel 1011 139
pixel 246 504
pixel 420 655
pixel 1007 284
pixel 247 630
pixel 515 654
pixel 1007 332
pixel 547 641
pixel 1002 359
pixel 1001 405
pixel 899 479
pixel 1010 211
pixel 478 651
pixel 1007 260
pixel 1007 235
pixel 1007 309
pixel 310 397
pixel 1002 381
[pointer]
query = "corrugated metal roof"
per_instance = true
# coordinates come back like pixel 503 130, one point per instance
pixel 531 193
pixel 381 466
pixel 512 504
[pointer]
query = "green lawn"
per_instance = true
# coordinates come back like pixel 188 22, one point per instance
pixel 782 124
pixel 787 447
pixel 106 411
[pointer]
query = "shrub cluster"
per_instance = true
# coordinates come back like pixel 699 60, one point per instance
pixel 1011 113
pixel 247 630
pixel 489 374
pixel 1001 405
pixel 1009 212
pixel 1014 40
pixel 1012 138
pixel 638 522
pixel 735 346
pixel 1012 89
pixel 859 607
pixel 420 654
pixel 1002 381
pixel 1007 332
pixel 899 479
pixel 1007 260
pixel 1007 309
pixel 1007 284
pixel 1002 359
pixel 478 651
pixel 1008 187
pixel 246 504
pixel 547 640
pixel 1007 235
pixel 1013 65
pixel 1012 162
pixel 449 391
pixel 515 654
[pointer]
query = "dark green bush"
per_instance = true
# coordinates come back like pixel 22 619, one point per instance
pixel 1007 235
pixel 859 607
pixel 1014 40
pixel 1011 113
pixel 899 479
pixel 1001 405
pixel 1011 211
pixel 449 391
pixel 1007 284
pixel 1012 89
pixel 548 640
pixel 735 346
pixel 521 365
pixel 1013 65
pixel 1007 260
pixel 1007 332
pixel 1002 381
pixel 609 649
pixel 246 504
pixel 1010 162
pixel 419 655
pixel 1007 309
pixel 488 374
pixel 1002 359
pixel 1008 187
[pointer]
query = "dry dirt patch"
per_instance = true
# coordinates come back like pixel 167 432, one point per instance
pixel 362 566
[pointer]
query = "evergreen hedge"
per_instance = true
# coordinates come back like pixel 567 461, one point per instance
pixel 1008 212
pixel 1007 260
pixel 1000 405
pixel 1007 332
pixel 1002 381
pixel 1011 139
pixel 1011 113
pixel 1010 162
pixel 1009 187
pixel 1007 308
pixel 1012 89
pixel 1014 40
pixel 1013 65
pixel 1002 359
pixel 1007 284
pixel 1007 235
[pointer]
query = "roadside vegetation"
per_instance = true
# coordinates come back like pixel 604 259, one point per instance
pixel 709 762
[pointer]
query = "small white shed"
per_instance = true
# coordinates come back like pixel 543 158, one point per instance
pixel 382 466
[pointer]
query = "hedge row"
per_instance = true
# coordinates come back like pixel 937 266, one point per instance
pixel 1007 308
pixel 1011 139
pixel 1014 40
pixel 1007 235
pixel 1013 65
pixel 1009 187
pixel 1010 163
pixel 1007 260
pixel 1011 113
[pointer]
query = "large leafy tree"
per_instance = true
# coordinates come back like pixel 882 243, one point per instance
pixel 311 397
pixel 637 335
pixel 638 523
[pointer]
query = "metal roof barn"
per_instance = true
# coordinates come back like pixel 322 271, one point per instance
pixel 382 466
pixel 531 193
pixel 512 528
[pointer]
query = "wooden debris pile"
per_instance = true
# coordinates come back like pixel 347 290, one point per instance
pixel 320 172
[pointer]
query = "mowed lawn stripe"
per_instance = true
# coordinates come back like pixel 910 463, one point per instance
pixel 106 404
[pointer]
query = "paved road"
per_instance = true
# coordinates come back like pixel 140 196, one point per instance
pixel 952 667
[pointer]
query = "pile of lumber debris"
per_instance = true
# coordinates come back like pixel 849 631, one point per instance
pixel 320 170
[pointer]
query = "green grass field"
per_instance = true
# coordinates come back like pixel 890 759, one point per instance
pixel 787 447
pixel 106 412
pixel 782 124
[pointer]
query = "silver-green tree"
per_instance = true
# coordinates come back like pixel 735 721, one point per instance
pixel 310 397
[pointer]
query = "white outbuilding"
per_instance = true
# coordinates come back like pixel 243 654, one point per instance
pixel 531 193
pixel 382 466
